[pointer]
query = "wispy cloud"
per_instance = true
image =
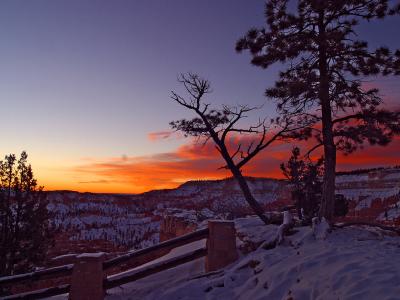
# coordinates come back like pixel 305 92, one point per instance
pixel 101 181
pixel 159 135
pixel 197 161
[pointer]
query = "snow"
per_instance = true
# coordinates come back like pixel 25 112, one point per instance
pixel 393 213
pixel 384 174
pixel 393 176
pixel 287 218
pixel 252 229
pixel 91 255
pixel 115 218
pixel 351 263
pixel 133 221
pixel 368 195
pixel 367 187
pixel 307 265
pixel 320 228
pixel 351 178
pixel 173 253
pixel 287 221
pixel 207 213
pixel 65 256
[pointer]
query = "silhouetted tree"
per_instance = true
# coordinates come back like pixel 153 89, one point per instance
pixel 218 125
pixel 341 205
pixel 24 219
pixel 304 175
pixel 322 83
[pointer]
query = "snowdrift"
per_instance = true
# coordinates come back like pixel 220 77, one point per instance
pixel 352 263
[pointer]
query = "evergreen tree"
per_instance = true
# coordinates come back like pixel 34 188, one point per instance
pixel 304 175
pixel 323 81
pixel 24 218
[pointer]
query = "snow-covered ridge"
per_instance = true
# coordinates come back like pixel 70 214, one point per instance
pixel 385 174
pixel 369 188
pixel 133 221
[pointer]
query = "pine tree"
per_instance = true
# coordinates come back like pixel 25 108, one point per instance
pixel 323 81
pixel 304 176
pixel 24 219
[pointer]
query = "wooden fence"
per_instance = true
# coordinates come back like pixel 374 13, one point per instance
pixel 91 275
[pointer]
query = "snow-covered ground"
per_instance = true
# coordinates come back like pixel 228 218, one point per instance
pixel 393 212
pixel 352 263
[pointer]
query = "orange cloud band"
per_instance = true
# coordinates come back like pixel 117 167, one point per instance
pixel 194 161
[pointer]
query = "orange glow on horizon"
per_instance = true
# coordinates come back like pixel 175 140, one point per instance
pixel 191 162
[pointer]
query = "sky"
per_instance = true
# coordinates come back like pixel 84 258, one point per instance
pixel 85 88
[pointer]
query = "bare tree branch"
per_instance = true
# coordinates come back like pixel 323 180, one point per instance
pixel 216 125
pixel 313 149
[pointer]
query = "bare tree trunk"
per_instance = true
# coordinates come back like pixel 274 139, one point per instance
pixel 249 196
pixel 328 192
pixel 237 174
pixel 217 125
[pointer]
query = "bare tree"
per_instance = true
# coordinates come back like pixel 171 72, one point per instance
pixel 218 125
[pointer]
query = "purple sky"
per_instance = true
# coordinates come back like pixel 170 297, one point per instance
pixel 81 80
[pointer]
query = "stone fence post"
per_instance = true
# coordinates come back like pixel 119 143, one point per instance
pixel 221 245
pixel 87 277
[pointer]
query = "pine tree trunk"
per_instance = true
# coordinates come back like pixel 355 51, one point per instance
pixel 328 187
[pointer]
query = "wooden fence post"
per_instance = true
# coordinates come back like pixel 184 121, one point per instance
pixel 221 245
pixel 87 277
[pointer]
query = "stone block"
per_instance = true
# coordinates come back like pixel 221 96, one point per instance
pixel 221 245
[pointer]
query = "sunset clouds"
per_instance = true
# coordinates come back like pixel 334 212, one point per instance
pixel 193 161
pixel 164 170
pixel 159 135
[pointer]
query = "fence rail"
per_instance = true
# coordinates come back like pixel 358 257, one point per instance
pixel 167 245
pixel 43 293
pixel 88 274
pixel 60 271
pixel 117 280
